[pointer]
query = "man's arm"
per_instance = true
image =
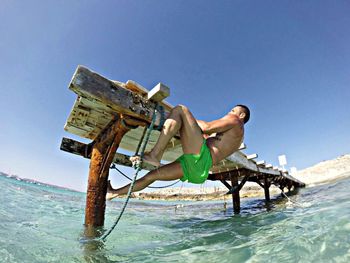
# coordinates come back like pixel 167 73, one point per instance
pixel 221 125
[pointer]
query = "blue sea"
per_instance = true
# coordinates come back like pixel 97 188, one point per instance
pixel 45 224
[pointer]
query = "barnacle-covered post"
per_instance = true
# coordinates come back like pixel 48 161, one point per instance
pixel 120 107
pixel 102 155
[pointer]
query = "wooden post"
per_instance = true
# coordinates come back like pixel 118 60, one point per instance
pixel 266 189
pixel 235 195
pixel 102 156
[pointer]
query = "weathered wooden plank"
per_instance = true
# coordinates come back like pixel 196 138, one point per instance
pixel 132 138
pixel 238 188
pixel 242 146
pixel 84 150
pixel 261 163
pixel 139 89
pixel 135 87
pixel 75 147
pixel 289 177
pixel 91 113
pixel 158 93
pixel 94 105
pixel 87 118
pixel 226 176
pixel 229 187
pixel 92 85
pixel 238 160
pixel 252 156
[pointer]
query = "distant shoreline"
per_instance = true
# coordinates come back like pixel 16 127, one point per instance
pixel 31 181
pixel 321 173
pixel 196 194
pixel 325 171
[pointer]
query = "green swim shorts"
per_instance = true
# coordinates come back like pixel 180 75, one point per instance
pixel 196 166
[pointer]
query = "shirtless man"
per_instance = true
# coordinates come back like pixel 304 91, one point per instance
pixel 201 150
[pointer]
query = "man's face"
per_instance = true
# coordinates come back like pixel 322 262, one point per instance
pixel 236 110
pixel 239 112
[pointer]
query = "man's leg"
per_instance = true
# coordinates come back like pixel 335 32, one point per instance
pixel 168 172
pixel 180 120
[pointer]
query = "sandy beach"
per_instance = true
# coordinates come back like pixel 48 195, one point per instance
pixel 203 194
pixel 325 171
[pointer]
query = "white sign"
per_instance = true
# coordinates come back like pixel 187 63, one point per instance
pixel 282 160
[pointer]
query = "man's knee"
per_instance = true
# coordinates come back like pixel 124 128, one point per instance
pixel 181 109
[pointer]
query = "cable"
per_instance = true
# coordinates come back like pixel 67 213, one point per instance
pixel 152 187
pixel 138 169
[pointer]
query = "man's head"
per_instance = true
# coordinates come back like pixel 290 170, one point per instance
pixel 242 112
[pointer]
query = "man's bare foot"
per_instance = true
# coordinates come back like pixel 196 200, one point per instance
pixel 147 158
pixel 110 196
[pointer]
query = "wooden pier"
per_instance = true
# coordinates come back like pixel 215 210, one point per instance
pixel 113 115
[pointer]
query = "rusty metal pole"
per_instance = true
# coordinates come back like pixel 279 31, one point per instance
pixel 266 189
pixel 103 152
pixel 235 195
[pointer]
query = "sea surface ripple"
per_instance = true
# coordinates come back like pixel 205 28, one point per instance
pixel 45 224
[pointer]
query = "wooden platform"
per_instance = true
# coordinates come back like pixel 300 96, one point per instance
pixel 101 101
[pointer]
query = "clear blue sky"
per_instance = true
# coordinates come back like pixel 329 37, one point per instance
pixel 289 61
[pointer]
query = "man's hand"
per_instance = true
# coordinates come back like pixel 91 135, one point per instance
pixel 205 136
pixel 203 125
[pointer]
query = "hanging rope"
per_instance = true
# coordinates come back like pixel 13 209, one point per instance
pixel 291 201
pixel 138 168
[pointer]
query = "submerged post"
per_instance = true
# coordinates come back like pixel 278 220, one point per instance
pixel 102 155
pixel 235 195
pixel 266 189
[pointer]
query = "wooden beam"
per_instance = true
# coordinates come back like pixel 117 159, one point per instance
pixel 120 100
pixel 139 89
pixel 75 147
pixel 226 184
pixel 84 150
pixel 240 185
pixel 243 181
pixel 158 93
pixel 260 163
pixel 101 158
pixel 239 159
pixel 252 156
pixel 224 175
pixel 135 87
pixel 242 146
pixel 259 183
